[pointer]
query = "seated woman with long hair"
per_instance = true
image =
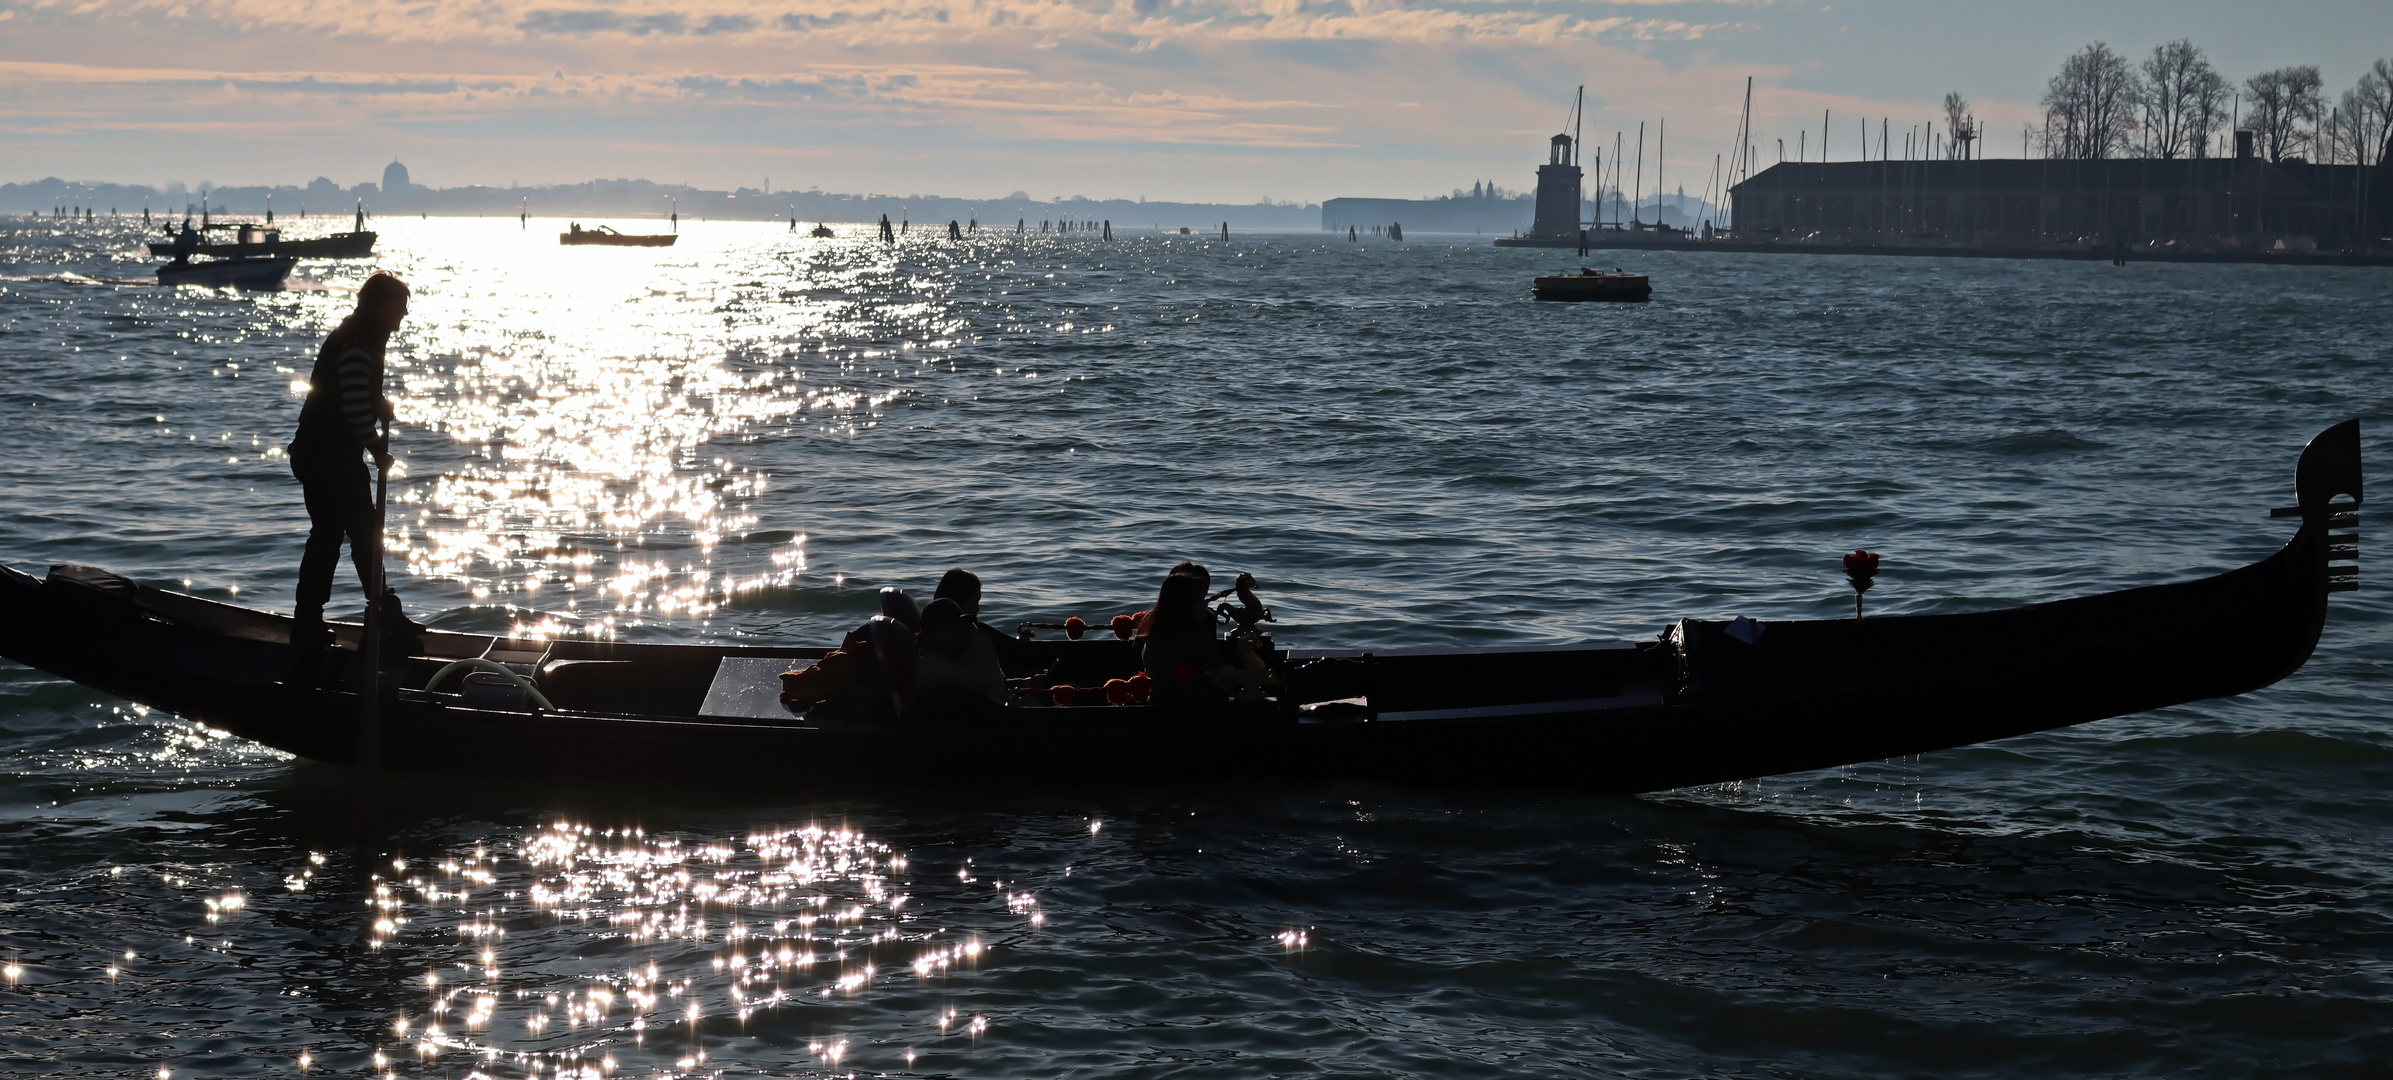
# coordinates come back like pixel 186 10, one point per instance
pixel 1177 646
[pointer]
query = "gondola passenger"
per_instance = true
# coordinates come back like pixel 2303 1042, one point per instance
pixel 1177 646
pixel 963 587
pixel 954 663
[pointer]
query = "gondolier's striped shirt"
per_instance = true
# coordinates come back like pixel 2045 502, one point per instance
pixel 343 394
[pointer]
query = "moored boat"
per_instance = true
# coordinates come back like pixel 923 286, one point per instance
pixel 1704 702
pixel 1589 284
pixel 603 235
pixel 251 273
pixel 822 231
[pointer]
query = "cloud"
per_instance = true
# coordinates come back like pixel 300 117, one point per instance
pixel 929 20
pixel 1153 95
pixel 982 97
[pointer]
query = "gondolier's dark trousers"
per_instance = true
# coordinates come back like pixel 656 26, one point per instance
pixel 340 503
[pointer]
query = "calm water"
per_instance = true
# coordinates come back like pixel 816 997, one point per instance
pixel 744 435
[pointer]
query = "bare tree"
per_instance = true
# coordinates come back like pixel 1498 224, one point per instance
pixel 2368 108
pixel 1956 121
pixel 2206 109
pixel 2091 104
pixel 2285 109
pixel 2173 78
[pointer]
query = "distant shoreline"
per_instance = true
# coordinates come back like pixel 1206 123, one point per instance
pixel 2272 258
pixel 644 199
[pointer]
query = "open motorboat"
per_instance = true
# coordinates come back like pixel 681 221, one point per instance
pixel 253 273
pixel 608 237
pixel 1705 702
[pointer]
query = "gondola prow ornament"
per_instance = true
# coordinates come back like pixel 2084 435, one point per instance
pixel 1247 611
pixel 1861 568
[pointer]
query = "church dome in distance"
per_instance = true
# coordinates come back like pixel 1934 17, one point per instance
pixel 394 177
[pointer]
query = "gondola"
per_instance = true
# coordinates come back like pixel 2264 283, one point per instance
pixel 260 273
pixel 608 237
pixel 1705 702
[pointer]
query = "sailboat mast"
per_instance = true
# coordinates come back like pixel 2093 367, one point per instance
pixel 1636 216
pixel 1578 125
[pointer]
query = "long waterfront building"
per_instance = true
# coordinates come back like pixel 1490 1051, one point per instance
pixel 2243 202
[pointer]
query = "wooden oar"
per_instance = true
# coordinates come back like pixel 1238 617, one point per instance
pixel 369 708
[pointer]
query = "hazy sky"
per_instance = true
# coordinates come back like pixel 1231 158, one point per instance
pixel 1229 100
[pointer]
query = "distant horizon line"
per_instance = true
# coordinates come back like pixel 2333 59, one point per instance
pixel 324 187
pixel 699 198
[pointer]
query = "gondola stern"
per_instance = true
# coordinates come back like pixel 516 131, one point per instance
pixel 19 592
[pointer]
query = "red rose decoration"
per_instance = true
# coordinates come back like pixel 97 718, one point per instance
pixel 1124 626
pixel 1063 694
pixel 1861 568
pixel 1141 686
pixel 1074 627
pixel 1117 691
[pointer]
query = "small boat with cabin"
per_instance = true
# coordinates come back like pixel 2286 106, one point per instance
pixel 250 239
pixel 1705 701
pixel 822 231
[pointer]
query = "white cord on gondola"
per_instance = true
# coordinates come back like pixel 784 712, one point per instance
pixel 493 666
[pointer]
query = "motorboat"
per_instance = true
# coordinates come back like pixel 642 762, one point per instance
pixel 606 236
pixel 243 273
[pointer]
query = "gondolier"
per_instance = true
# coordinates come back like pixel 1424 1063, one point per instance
pixel 344 402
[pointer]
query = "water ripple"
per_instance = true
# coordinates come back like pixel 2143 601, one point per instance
pixel 746 433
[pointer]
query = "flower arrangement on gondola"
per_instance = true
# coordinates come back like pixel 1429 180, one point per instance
pixel 1134 690
pixel 1861 570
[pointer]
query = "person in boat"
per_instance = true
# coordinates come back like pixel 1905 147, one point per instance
pixel 953 662
pixel 963 587
pixel 344 400
pixel 874 664
pixel 872 671
pixel 1177 648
